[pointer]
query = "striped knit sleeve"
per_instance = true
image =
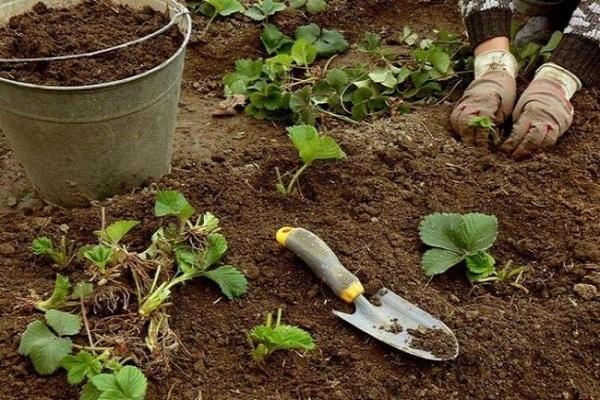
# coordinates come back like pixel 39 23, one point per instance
pixel 486 19
pixel 579 50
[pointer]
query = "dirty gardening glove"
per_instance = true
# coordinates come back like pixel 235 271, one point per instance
pixel 492 94
pixel 543 112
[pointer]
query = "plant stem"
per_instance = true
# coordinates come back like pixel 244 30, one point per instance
pixel 210 21
pixel 91 348
pixel 85 321
pixel 295 177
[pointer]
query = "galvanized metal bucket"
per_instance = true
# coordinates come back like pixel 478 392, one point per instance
pixel 90 142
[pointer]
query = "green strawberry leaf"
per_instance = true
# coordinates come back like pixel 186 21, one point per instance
pixel 232 282
pixel 83 365
pixel 441 230
pixel 173 203
pixel 44 348
pixel 63 323
pixel 316 6
pixel 437 261
pixel 274 40
pixel 115 231
pixel 303 52
pixel 478 231
pixel 313 146
pixel 226 7
pixel 215 248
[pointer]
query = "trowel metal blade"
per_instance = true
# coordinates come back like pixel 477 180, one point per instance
pixel 379 321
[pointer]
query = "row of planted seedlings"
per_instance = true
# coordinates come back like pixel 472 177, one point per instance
pixel 112 329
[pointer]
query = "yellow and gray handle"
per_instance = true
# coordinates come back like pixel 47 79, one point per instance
pixel 322 261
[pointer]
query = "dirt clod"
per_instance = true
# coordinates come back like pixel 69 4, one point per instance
pixel 586 291
pixel 435 341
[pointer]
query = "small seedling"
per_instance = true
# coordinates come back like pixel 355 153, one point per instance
pixel 311 146
pixel 61 256
pixel 267 338
pixel 214 8
pixel 456 238
pixel 312 6
pixel 100 256
pixel 263 9
pixel 486 124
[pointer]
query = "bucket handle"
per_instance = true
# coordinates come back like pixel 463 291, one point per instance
pixel 165 28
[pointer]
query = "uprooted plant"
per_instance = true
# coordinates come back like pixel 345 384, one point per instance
pixel 270 337
pixel 311 146
pixel 100 371
pixel 178 252
pixel 290 87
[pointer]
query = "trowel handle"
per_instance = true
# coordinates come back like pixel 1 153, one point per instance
pixel 323 262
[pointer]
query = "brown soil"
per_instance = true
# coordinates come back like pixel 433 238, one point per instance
pixel 90 26
pixel 540 344
pixel 435 341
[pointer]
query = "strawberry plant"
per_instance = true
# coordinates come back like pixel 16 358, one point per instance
pixel 61 255
pixel 197 247
pixel 311 146
pixel 127 383
pixel 269 337
pixel 214 8
pixel 312 6
pixel 263 9
pixel 456 238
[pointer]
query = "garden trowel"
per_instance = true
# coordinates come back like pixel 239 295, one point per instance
pixel 391 319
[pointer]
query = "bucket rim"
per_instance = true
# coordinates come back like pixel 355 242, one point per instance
pixel 104 85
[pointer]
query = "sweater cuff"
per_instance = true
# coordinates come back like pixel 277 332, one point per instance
pixel 579 55
pixel 488 24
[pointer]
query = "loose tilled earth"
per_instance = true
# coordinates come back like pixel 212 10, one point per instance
pixel 544 344
pixel 91 26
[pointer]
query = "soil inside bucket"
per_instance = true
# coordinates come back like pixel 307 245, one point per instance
pixel 90 26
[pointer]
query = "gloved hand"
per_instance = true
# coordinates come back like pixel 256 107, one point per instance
pixel 491 95
pixel 541 116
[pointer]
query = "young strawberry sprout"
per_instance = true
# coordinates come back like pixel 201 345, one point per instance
pixel 268 338
pixel 456 238
pixel 61 255
pixel 488 126
pixel 311 146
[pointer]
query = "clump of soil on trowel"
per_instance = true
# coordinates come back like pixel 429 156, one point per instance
pixel 87 27
pixel 435 341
